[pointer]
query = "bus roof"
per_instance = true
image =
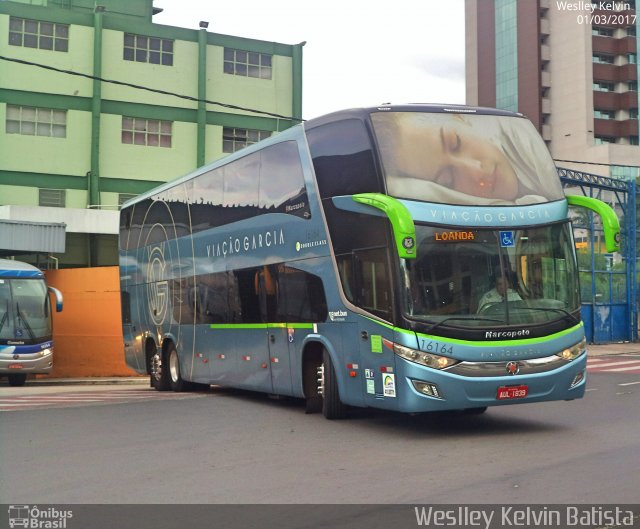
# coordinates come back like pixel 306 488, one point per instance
pixel 339 115
pixel 10 268
pixel 410 107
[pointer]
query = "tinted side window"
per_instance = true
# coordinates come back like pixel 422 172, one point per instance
pixel 343 159
pixel 125 304
pixel 183 300
pixel 282 188
pixel 301 297
pixel 362 256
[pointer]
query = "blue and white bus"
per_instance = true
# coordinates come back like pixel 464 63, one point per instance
pixel 412 258
pixel 26 335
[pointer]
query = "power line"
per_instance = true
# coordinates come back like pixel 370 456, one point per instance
pixel 153 90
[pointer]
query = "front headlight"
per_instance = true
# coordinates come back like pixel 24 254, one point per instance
pixel 45 352
pixel 573 352
pixel 420 357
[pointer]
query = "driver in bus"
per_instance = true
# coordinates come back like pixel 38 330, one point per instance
pixel 498 294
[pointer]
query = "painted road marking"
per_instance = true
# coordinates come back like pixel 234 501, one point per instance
pixel 621 364
pixel 79 398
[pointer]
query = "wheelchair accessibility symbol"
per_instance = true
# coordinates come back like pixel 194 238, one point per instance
pixel 507 239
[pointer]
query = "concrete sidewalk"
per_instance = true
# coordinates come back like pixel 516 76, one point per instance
pixel 626 348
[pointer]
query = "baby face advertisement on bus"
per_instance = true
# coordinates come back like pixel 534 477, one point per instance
pixel 452 158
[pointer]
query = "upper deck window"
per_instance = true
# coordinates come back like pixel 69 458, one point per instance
pixel 482 160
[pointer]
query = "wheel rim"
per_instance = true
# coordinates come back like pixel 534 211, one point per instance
pixel 174 366
pixel 320 373
pixel 156 366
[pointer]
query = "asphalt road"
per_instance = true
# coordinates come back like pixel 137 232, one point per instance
pixel 225 446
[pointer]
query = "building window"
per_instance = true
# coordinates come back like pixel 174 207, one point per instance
pixel 247 63
pixel 602 32
pixel 599 140
pixel 633 140
pixel 633 113
pixel 602 58
pixel 32 121
pixel 150 132
pixel 235 139
pixel 53 198
pixel 37 34
pixel 633 86
pixel 603 86
pixel 148 49
pixel 604 114
pixel 124 197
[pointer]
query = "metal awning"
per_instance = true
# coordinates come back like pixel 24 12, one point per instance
pixel 22 237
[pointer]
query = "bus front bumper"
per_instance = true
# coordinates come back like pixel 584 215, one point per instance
pixel 432 390
pixel 32 362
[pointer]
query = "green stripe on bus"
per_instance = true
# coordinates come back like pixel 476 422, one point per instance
pixel 523 341
pixel 232 326
pixel 493 343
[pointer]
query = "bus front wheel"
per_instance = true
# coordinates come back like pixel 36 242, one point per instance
pixel 332 406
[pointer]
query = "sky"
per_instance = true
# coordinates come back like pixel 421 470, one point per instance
pixel 357 53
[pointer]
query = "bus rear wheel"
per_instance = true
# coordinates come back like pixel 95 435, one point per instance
pixel 332 406
pixel 159 372
pixel 17 379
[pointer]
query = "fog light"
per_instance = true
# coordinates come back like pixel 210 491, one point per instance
pixel 427 388
pixel 577 379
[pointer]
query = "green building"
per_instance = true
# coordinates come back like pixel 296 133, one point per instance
pixel 80 136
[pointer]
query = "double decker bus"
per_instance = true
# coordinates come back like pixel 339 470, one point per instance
pixel 26 336
pixel 411 258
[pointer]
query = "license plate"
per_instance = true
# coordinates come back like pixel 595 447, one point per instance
pixel 15 366
pixel 512 392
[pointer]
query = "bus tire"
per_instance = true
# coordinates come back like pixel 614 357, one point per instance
pixel 17 379
pixel 159 371
pixel 332 406
pixel 177 383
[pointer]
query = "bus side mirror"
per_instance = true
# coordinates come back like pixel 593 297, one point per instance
pixel 404 230
pixel 610 221
pixel 58 296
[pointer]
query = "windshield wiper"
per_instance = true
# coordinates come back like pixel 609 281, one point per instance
pixel 25 322
pixel 552 309
pixel 5 317
pixel 475 318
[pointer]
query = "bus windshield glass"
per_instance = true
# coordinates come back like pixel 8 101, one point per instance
pixel 481 276
pixel 24 310
pixel 465 159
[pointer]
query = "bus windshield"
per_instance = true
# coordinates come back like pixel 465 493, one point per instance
pixel 480 276
pixel 24 310
pixel 465 159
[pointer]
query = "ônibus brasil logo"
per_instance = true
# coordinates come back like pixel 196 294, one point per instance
pixel 157 287
pixel 37 518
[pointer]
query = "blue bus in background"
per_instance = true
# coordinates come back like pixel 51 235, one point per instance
pixel 26 335
pixel 411 258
